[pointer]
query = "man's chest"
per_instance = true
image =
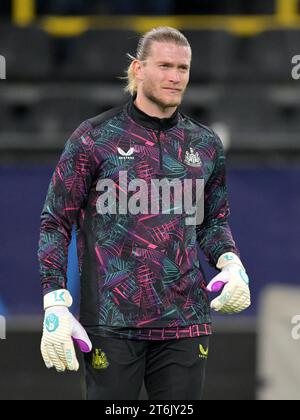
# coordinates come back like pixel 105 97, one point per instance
pixel 147 154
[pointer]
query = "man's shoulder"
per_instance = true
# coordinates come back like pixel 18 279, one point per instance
pixel 201 131
pixel 93 126
pixel 204 134
pixel 194 124
pixel 105 117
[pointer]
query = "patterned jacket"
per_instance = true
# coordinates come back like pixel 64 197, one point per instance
pixel 139 270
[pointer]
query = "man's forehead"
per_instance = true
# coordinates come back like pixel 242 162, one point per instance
pixel 161 51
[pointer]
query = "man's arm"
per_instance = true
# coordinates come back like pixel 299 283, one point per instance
pixel 216 240
pixel 66 196
pixel 214 235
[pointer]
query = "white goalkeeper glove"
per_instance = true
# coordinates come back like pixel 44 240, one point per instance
pixel 59 332
pixel 233 279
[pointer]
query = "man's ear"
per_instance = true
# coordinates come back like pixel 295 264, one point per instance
pixel 138 69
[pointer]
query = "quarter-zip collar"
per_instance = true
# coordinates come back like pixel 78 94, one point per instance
pixel 154 123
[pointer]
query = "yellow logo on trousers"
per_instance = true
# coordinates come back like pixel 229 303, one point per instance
pixel 99 360
pixel 203 353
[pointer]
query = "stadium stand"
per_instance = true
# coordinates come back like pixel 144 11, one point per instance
pixel 22 49
pixel 63 69
pixel 99 55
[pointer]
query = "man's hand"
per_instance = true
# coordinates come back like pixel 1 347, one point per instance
pixel 60 330
pixel 235 296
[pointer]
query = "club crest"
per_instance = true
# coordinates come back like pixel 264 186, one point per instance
pixel 192 158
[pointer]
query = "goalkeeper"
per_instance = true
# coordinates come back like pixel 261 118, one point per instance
pixel 145 313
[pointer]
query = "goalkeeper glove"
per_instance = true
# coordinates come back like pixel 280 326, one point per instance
pixel 59 332
pixel 235 296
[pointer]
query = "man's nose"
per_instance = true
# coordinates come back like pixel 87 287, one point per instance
pixel 174 77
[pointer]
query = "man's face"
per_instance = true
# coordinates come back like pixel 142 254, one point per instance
pixel 165 74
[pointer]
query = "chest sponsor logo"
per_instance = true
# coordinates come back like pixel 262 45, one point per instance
pixel 126 155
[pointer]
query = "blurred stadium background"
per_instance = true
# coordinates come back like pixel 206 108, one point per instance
pixel 63 60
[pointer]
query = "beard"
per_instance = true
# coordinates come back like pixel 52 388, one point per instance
pixel 161 102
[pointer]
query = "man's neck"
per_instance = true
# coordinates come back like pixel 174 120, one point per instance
pixel 153 110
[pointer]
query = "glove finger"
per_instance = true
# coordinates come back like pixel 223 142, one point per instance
pixel 245 302
pixel 240 299
pixel 46 356
pixel 216 304
pixel 55 359
pixel 237 301
pixel 60 351
pixel 70 356
pixel 222 300
pixel 227 309
pixel 80 336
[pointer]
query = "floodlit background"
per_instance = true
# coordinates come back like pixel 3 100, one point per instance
pixel 63 62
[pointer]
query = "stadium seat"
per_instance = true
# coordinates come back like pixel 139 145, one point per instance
pixel 248 109
pixel 6 117
pixel 62 115
pixel 28 53
pixel 99 55
pixel 264 58
pixel 257 120
pixel 271 53
pixel 200 112
pixel 213 54
pixel 291 115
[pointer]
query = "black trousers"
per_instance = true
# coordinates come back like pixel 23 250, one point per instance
pixel 171 370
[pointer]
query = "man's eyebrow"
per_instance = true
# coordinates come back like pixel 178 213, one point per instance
pixel 172 64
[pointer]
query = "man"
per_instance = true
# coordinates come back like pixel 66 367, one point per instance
pixel 144 303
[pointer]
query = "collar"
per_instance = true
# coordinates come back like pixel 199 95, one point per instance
pixel 154 123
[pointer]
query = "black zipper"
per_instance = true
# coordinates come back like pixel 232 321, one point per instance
pixel 160 150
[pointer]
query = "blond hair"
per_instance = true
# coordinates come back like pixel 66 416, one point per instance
pixel 160 34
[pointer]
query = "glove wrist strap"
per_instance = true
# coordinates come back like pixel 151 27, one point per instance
pixel 60 297
pixel 228 258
